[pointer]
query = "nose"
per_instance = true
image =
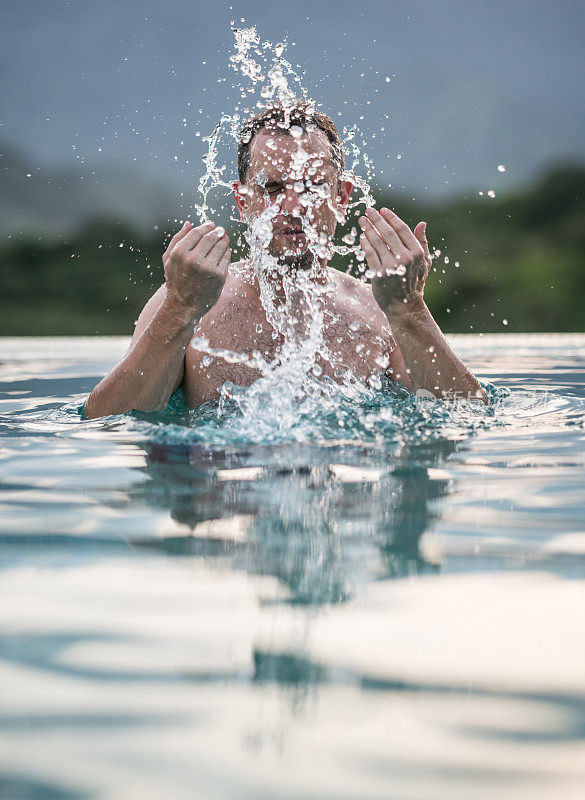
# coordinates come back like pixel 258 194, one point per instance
pixel 292 202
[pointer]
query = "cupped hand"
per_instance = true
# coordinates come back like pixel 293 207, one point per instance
pixel 398 258
pixel 196 264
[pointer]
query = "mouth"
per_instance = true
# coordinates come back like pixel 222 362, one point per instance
pixel 293 236
pixel 291 233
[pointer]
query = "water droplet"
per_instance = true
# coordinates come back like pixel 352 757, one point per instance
pixel 350 237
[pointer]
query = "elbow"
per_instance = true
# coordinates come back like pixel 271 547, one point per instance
pixel 89 411
pixel 96 405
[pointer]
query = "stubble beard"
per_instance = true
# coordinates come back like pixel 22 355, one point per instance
pixel 304 260
pixel 301 261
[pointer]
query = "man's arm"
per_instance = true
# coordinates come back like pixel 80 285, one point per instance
pixel 196 263
pixel 399 261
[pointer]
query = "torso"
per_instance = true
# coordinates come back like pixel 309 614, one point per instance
pixel 356 334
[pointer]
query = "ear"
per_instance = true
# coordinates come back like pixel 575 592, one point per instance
pixel 240 193
pixel 344 189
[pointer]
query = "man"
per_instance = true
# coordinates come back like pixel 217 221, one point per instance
pixel 290 164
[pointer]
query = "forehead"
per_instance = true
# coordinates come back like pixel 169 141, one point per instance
pixel 273 151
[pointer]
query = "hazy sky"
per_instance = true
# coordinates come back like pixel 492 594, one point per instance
pixel 473 84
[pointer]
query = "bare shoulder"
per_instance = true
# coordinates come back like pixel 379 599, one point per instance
pixel 370 322
pixel 238 284
pixel 356 298
pixel 233 307
pixel 350 287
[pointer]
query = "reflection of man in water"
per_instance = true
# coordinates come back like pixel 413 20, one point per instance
pixel 318 532
pixel 290 162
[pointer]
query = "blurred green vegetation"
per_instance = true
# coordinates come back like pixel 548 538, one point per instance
pixel 520 258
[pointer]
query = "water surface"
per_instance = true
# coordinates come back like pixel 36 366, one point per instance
pixel 381 601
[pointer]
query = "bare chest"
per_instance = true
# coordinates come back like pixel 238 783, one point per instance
pixel 353 334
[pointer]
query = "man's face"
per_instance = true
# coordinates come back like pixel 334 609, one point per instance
pixel 292 183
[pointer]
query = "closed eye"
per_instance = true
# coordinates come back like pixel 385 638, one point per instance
pixel 273 188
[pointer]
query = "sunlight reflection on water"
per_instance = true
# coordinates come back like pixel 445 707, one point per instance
pixel 356 615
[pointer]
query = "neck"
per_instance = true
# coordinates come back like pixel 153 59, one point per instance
pixel 280 287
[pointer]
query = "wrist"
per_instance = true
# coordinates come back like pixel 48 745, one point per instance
pixel 406 313
pixel 179 314
pixel 184 312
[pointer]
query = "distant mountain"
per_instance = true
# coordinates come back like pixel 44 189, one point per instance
pixel 465 126
pixel 51 201
pixel 443 91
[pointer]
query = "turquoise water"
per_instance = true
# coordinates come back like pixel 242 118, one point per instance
pixel 379 600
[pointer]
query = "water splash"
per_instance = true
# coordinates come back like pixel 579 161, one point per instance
pixel 320 413
pixel 263 65
pixel 293 300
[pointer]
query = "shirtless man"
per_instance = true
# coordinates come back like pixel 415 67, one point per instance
pixel 369 330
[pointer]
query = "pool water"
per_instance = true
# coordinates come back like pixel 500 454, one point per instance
pixel 383 600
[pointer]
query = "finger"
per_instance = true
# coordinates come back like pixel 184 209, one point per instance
pixel 191 241
pixel 421 234
pixel 407 237
pixel 388 258
pixel 218 250
pixel 388 234
pixel 178 236
pixel 411 279
pixel 206 243
pixel 371 255
pixel 380 248
pixel 224 261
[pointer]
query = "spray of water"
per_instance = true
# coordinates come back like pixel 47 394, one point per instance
pixel 291 383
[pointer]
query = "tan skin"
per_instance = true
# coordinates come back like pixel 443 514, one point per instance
pixel 203 291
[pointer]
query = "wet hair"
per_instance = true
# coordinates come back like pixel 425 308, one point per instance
pixel 279 117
